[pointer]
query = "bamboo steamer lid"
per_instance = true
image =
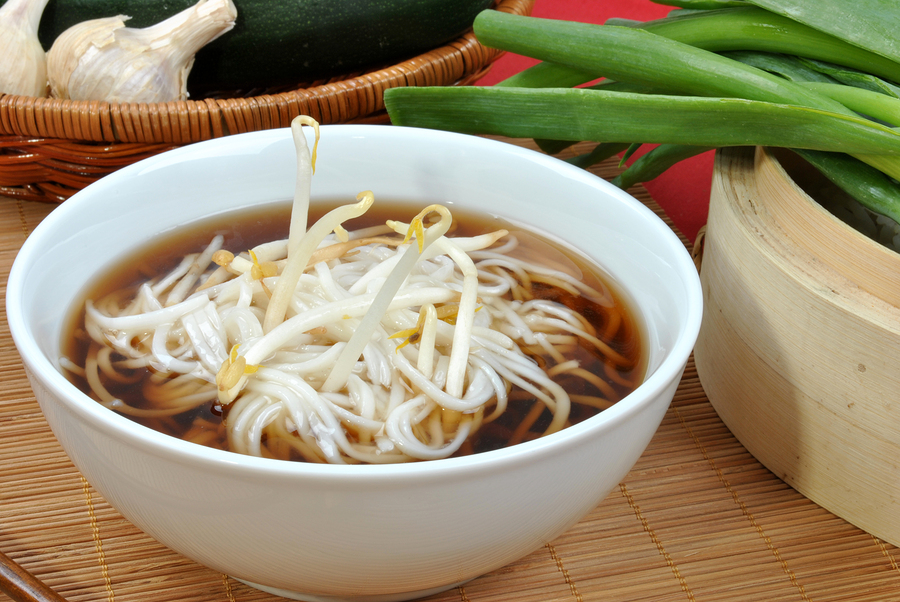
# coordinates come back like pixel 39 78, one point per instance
pixel 799 349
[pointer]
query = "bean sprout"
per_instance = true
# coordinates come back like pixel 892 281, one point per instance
pixel 389 344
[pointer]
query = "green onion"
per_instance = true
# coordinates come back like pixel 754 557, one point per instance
pixel 547 75
pixel 601 152
pixel 877 106
pixel 577 114
pixel 636 56
pixel 751 28
pixel 788 67
pixel 852 77
pixel 867 185
pixel 553 147
pixel 861 92
pixel 869 24
pixel 655 162
pixel 715 73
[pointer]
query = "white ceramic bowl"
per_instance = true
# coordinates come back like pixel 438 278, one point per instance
pixel 316 532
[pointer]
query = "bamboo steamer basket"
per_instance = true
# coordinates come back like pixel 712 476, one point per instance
pixel 799 349
pixel 51 148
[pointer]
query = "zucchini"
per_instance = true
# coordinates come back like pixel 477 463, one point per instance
pixel 290 41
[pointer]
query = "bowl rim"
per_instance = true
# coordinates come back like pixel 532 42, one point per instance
pixel 159 444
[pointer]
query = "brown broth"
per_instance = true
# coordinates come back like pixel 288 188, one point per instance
pixel 246 229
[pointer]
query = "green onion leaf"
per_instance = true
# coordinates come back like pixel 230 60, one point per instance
pixel 852 77
pixel 865 102
pixel 788 67
pixel 601 152
pixel 871 188
pixel 655 163
pixel 869 24
pixel 751 28
pixel 547 75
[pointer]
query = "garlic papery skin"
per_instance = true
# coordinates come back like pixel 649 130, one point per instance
pixel 23 62
pixel 102 59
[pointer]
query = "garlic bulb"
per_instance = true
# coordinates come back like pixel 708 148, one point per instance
pixel 23 69
pixel 102 59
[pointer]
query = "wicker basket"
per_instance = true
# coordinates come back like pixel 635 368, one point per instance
pixel 51 148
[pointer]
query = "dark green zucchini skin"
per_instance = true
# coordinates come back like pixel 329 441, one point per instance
pixel 283 42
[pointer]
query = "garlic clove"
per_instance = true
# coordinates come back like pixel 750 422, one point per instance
pixel 102 59
pixel 23 69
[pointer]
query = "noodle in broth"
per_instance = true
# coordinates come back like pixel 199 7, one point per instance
pixel 406 341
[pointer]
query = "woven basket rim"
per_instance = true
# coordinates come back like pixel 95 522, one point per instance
pixel 180 122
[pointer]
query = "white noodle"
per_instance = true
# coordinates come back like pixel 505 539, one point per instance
pixel 372 351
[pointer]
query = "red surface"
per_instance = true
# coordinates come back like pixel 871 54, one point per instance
pixel 682 191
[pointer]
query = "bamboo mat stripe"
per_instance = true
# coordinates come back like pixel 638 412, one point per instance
pixel 697 518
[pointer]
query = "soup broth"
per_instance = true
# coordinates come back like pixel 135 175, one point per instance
pixel 590 378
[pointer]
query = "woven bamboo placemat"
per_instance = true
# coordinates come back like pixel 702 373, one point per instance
pixel 698 518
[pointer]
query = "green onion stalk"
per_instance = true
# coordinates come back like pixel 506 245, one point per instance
pixel 715 73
